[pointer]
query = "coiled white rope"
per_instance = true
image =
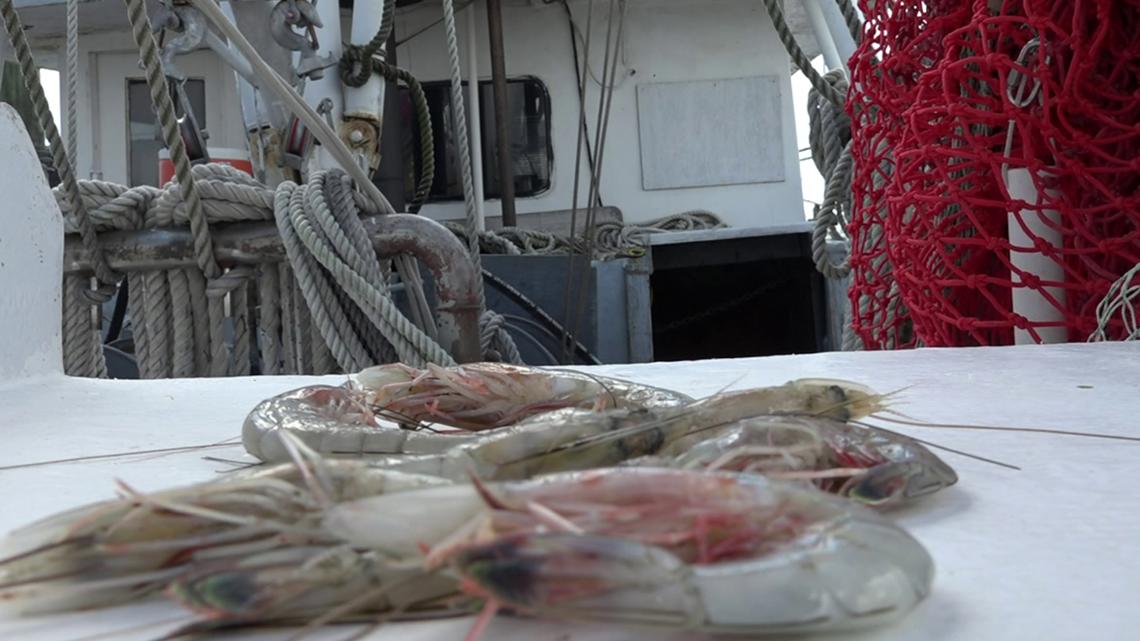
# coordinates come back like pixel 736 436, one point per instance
pixel 1122 301
pixel 326 310
pixel 611 239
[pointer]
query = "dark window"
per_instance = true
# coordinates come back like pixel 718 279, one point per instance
pixel 528 106
pixel 142 136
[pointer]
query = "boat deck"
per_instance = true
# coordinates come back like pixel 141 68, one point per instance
pixel 1046 553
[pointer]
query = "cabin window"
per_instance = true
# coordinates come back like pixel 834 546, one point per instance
pixel 144 138
pixel 528 107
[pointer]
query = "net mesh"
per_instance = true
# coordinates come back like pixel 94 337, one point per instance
pixel 950 100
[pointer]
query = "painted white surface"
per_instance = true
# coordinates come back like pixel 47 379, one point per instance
pixel 733 132
pixel 1047 553
pixel 664 40
pixel 31 259
pixel 106 61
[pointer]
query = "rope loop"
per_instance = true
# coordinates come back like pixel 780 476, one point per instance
pixel 355 66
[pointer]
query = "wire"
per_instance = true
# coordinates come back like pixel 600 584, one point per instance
pixel 534 341
pixel 579 85
pixel 530 306
pixel 459 6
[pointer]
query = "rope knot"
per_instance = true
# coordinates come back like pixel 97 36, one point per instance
pixel 355 66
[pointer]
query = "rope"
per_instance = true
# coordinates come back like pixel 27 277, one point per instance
pixel 851 17
pixel 303 212
pixel 611 239
pixel 328 307
pixel 72 70
pixel 798 56
pixel 423 121
pixel 459 114
pixel 496 341
pixel 62 162
pixel 357 61
pixel 1120 305
pixel 172 137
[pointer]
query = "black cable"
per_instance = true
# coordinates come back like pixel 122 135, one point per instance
pixel 459 6
pixel 578 83
pixel 119 315
pixel 530 306
pixel 534 341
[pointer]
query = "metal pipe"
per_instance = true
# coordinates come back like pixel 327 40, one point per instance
pixel 823 36
pixel 254 243
pixel 502 126
pixel 475 126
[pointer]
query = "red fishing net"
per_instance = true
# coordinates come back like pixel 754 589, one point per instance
pixel 950 103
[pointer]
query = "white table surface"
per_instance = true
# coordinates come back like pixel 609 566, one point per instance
pixel 1051 553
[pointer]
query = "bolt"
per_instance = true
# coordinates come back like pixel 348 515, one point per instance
pixel 356 136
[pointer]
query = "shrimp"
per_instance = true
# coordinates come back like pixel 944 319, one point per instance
pixel 655 546
pixel 332 420
pixel 575 439
pixel 866 464
pixel 540 436
pixel 480 396
pixel 127 548
pixel 308 582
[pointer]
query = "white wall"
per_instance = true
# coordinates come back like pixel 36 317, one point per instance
pixel 665 40
pixel 106 62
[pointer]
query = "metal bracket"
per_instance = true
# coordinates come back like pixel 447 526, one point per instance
pixel 301 14
pixel 190 25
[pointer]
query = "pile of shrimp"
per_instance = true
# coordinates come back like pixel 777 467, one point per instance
pixel 546 493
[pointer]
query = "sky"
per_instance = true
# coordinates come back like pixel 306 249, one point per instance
pixel 812 182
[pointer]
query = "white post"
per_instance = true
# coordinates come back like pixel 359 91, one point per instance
pixel 474 125
pixel 31 261
pixel 367 101
pixel 1026 227
pixel 823 35
pixel 255 113
pixel 329 86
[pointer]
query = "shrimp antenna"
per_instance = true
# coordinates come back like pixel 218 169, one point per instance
pixel 308 463
pixel 230 442
pixel 944 448
pixel 913 422
pixel 597 379
pixel 354 605
pixel 726 387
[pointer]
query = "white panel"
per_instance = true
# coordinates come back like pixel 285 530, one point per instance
pixel 31 262
pixel 710 132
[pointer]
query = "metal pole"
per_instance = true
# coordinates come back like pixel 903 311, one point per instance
pixel 475 124
pixel 390 174
pixel 823 35
pixel 502 125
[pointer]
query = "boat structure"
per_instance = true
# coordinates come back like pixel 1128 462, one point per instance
pixel 523 319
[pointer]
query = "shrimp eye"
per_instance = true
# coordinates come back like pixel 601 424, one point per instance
pixel 500 569
pixel 226 592
pixel 876 490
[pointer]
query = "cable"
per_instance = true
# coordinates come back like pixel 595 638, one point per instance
pixel 580 85
pixel 458 7
pixel 529 305
pixel 534 341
